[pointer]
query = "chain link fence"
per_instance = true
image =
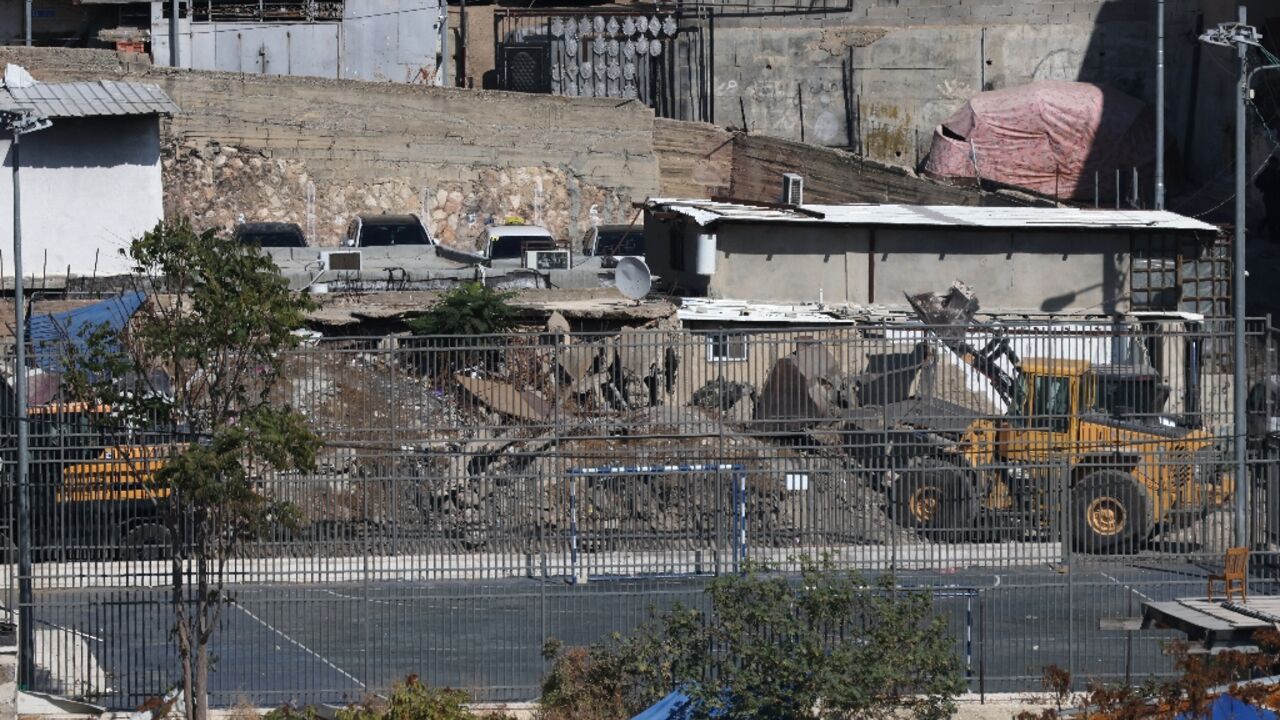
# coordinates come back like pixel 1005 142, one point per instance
pixel 478 496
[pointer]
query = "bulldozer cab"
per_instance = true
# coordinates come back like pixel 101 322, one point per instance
pixel 1045 408
pixel 1051 395
pixel 1127 391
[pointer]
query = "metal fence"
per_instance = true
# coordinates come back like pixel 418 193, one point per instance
pixel 475 497
pixel 659 56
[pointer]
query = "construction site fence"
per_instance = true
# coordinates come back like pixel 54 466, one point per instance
pixel 475 497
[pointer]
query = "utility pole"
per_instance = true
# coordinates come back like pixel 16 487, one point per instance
pixel 173 33
pixel 462 44
pixel 1159 193
pixel 1241 36
pixel 1240 366
pixel 19 123
pixel 29 17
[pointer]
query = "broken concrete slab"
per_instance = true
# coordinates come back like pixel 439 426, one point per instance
pixel 557 325
pixel 802 390
pixel 577 360
pixel 637 353
pixel 953 310
pixel 506 399
pixel 343 312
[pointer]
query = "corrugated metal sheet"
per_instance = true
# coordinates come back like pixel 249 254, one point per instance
pixel 731 311
pixel 89 99
pixel 707 213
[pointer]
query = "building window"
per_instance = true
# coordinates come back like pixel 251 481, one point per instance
pixel 724 347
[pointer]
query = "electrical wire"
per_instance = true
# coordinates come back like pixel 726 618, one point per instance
pixel 1262 120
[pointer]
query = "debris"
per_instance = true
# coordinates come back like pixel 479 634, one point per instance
pixel 557 325
pixel 577 360
pixel 954 310
pixel 802 390
pixel 507 399
pixel 721 394
pixel 636 357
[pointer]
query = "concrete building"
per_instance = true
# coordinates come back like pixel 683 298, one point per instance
pixel 90 182
pixel 1041 260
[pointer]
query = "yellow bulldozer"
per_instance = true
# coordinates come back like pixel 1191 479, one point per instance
pixel 1093 433
pixel 92 497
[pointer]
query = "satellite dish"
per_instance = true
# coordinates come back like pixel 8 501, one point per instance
pixel 632 278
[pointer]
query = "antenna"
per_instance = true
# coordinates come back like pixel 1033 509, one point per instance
pixel 632 278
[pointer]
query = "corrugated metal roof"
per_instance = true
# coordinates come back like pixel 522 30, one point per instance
pixel 89 99
pixel 741 311
pixel 707 213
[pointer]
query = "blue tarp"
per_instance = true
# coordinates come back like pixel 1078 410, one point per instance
pixel 48 332
pixel 675 706
pixel 1230 708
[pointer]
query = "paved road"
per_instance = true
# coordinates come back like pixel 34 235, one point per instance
pixel 311 643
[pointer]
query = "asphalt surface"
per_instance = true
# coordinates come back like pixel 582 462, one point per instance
pixel 333 642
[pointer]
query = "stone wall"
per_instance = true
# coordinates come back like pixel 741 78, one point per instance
pixel 694 159
pixel 253 145
pixel 318 152
pixel 219 185
pixel 836 176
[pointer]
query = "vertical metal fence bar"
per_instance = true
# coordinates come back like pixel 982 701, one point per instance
pixel 457 473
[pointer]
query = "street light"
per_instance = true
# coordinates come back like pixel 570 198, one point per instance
pixel 20 122
pixel 1241 36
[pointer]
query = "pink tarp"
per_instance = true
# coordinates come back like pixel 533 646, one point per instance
pixel 1049 137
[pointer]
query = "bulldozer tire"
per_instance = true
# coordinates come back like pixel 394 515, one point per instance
pixel 149 541
pixel 935 498
pixel 1109 513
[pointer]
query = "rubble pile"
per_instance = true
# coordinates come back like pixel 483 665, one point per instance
pixel 470 453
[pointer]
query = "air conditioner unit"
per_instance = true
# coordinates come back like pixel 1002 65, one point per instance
pixel 340 260
pixel 792 189
pixel 547 259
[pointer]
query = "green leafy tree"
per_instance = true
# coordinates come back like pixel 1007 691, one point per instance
pixel 831 646
pixel 191 385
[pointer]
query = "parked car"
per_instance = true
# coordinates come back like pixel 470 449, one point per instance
pixel 271 234
pixel 387 231
pixel 613 242
pixel 510 242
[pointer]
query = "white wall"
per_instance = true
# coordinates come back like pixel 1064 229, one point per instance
pixel 309 49
pixel 1035 270
pixel 89 186
pixel 394 40
pixel 400 41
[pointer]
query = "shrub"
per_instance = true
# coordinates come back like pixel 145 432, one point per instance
pixel 769 649
pixel 289 712
pixel 469 309
pixel 456 328
pixel 1201 678
pixel 412 700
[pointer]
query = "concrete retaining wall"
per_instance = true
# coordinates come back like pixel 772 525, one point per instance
pixel 460 156
pixel 881 77
pixel 316 152
pixel 697 160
